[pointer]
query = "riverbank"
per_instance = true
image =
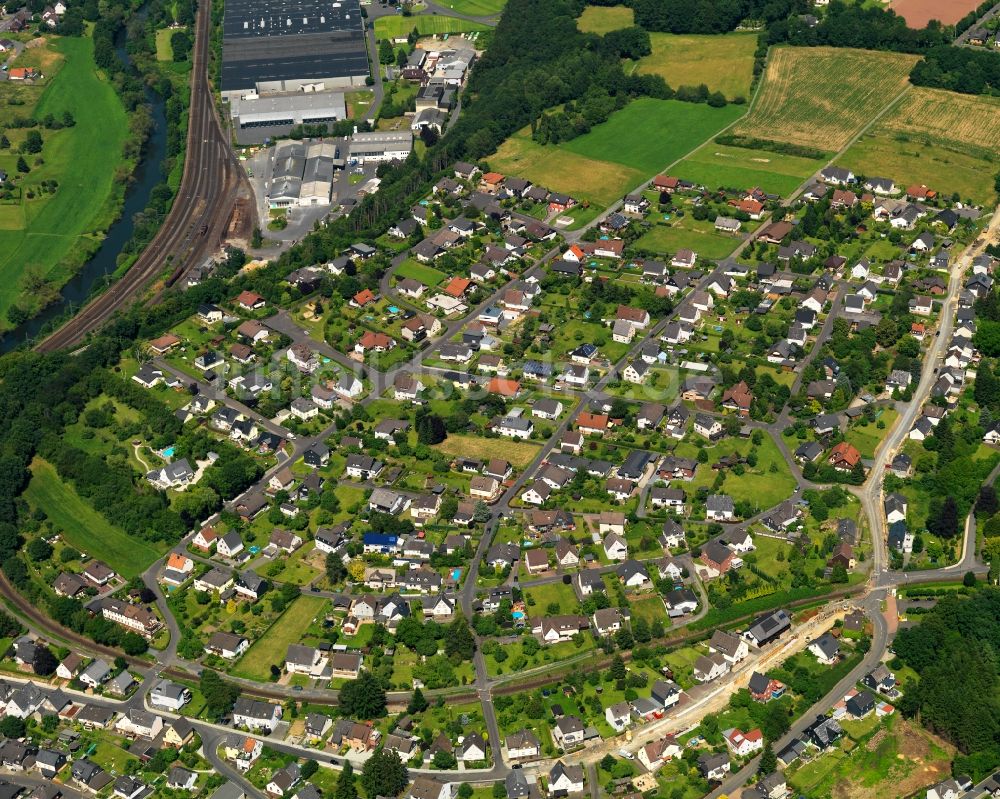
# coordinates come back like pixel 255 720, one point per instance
pixel 61 208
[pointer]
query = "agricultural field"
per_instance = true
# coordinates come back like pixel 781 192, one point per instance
pixel 616 156
pixel 603 19
pixel 45 239
pixel 650 134
pixel 715 165
pixel 84 528
pixel 918 13
pixel 724 63
pixel 938 138
pixel 289 628
pixel 820 97
pixel 397 25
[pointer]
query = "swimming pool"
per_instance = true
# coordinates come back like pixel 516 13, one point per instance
pixel 456 574
pixel 168 452
pixel 393 309
pixel 518 614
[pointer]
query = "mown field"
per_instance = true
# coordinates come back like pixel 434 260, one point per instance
pixel 602 19
pixel 518 453
pixel 45 237
pixel 945 140
pixel 688 233
pixel 475 8
pixel 83 527
pixel 716 165
pixel 616 156
pixel 723 63
pixel 822 96
pixel 426 24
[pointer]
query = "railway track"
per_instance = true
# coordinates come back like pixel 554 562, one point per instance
pixel 197 219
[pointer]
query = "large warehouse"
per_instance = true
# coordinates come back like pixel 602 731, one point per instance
pixel 257 118
pixel 271 46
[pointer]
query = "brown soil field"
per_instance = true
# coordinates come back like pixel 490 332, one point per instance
pixel 918 13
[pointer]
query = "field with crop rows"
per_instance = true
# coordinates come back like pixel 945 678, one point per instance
pixel 822 96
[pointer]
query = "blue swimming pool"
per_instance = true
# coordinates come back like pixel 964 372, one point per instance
pixel 518 614
pixel 168 452
pixel 456 574
pixel 393 309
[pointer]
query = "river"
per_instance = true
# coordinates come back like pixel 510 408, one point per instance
pixel 105 261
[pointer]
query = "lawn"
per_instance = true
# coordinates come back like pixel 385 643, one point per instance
pixel 398 26
pixel 427 275
pixel 539 597
pixel 616 156
pixel 866 437
pixel 603 19
pixel 822 96
pixel 941 139
pixel 289 628
pixel 518 453
pixel 716 165
pixel 724 63
pixel 53 237
pixel 699 236
pixel 83 527
pixel 649 134
pixel 475 8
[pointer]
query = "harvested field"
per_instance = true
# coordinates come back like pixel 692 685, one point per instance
pixel 964 119
pixel 822 96
pixel 938 138
pixel 918 13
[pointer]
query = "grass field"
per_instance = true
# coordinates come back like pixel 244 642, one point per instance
pixel 475 8
pixel 691 234
pixel 289 628
pixel 724 63
pixel 49 238
pixel 603 19
pixel 822 96
pixel 938 138
pixel 164 51
pixel 426 24
pixel 716 165
pixel 83 527
pixel 616 156
pixel 649 134
pixel 427 275
pixel 518 453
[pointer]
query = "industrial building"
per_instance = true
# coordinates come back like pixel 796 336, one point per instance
pixel 257 118
pixel 272 46
pixel 302 173
pixel 390 145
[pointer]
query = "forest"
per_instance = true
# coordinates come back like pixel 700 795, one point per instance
pixel 954 653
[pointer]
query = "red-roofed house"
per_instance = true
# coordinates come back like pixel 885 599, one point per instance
pixel 491 182
pixel 503 387
pixel 665 183
pixel 250 300
pixel 742 743
pixel 379 342
pixel 753 208
pixel 457 287
pixel 844 457
pixel 363 298
pixel 738 398
pixel 164 343
pixel 592 423
pixel 574 254
pixel 920 192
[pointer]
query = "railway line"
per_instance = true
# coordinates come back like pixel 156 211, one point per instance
pixel 197 220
